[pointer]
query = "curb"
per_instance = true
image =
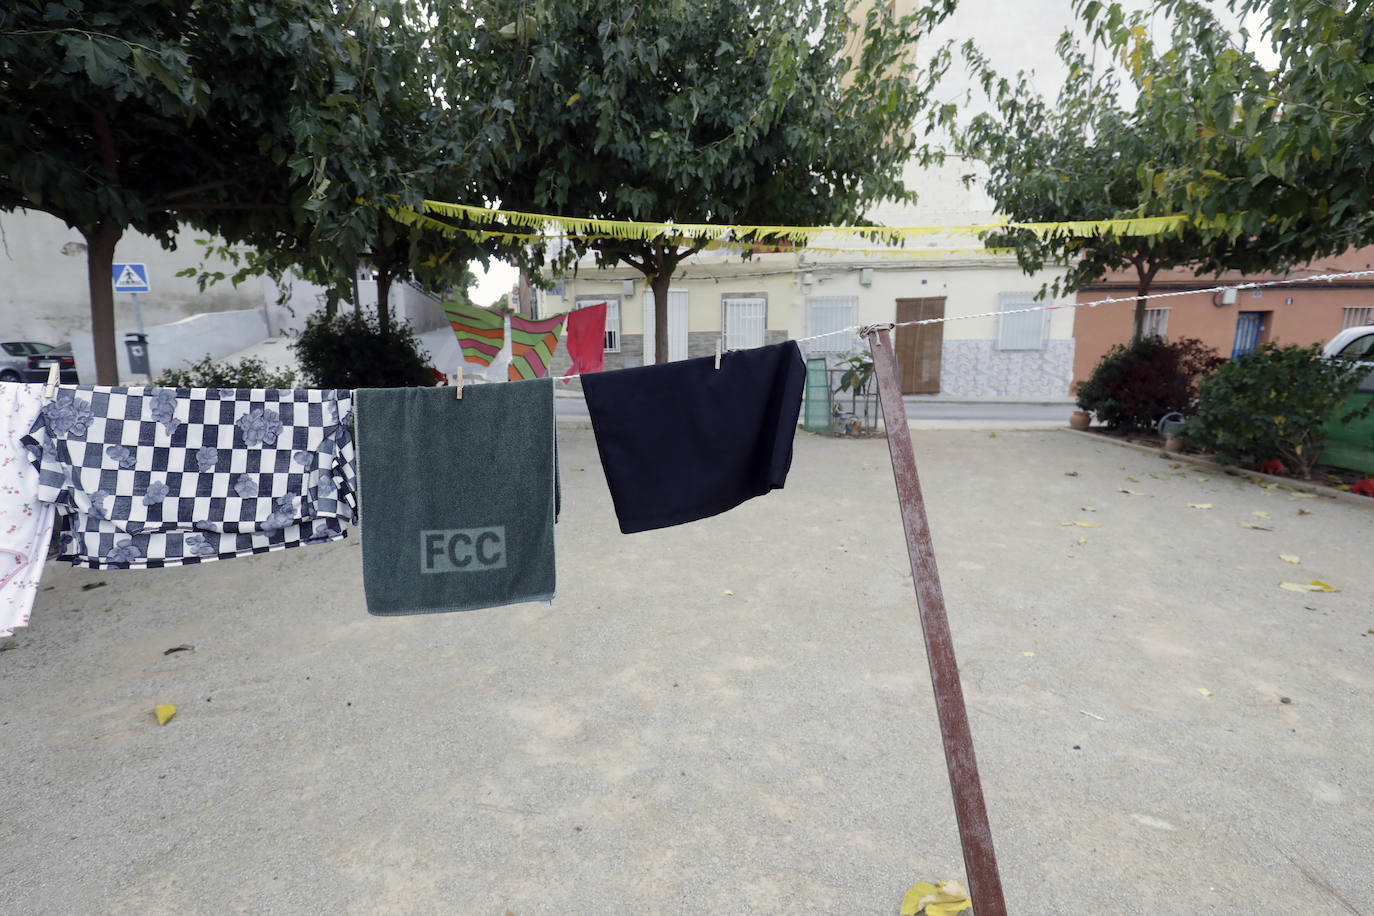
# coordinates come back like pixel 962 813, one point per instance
pixel 1300 486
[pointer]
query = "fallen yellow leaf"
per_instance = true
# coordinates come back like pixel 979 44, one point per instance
pixel 944 899
pixel 164 712
pixel 1254 526
pixel 1294 587
pixel 1132 480
pixel 1319 586
pixel 1259 514
pixel 1028 654
pixel 1082 541
pixel 1204 691
pixel 1070 473
pixel 1203 479
pixel 1289 558
pixel 1131 492
pixel 1304 511
pixel 1199 505
pixel 1089 509
pixel 729 592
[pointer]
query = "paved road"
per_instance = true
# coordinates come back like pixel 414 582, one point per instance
pixel 732 716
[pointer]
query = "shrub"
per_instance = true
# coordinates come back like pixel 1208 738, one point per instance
pixel 1133 386
pixel 1272 403
pixel 246 373
pixel 350 351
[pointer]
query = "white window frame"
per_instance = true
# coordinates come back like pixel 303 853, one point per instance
pixel 829 315
pixel 611 343
pixel 1355 316
pixel 1156 323
pixel 1022 330
pixel 746 330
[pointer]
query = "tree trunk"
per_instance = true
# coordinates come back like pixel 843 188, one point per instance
pixel 1145 275
pixel 100 249
pixel 659 285
pixel 383 276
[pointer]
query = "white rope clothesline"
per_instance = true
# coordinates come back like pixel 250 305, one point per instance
pixel 854 329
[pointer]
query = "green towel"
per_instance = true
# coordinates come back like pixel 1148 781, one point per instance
pixel 458 497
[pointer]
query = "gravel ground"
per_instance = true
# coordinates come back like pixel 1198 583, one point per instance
pixel 732 716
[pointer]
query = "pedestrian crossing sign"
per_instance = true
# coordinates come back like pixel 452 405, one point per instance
pixel 130 278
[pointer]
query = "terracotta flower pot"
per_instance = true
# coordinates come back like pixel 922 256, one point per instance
pixel 1080 419
pixel 1173 444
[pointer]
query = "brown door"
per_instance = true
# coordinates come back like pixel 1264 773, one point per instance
pixel 918 346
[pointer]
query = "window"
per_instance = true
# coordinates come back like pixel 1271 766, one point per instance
pixel 612 318
pixel 1356 316
pixel 745 318
pixel 829 315
pixel 677 325
pixel 1019 330
pixel 1156 323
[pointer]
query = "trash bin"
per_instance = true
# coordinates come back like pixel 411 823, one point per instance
pixel 137 345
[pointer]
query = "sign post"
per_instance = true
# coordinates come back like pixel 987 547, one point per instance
pixel 133 279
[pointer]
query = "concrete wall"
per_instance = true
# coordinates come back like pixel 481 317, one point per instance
pixel 44 290
pixel 175 345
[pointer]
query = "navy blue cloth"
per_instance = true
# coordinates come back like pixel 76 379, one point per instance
pixel 683 441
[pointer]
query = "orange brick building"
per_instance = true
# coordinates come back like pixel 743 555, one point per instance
pixel 1295 313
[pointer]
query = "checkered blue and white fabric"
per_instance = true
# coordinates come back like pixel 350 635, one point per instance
pixel 151 477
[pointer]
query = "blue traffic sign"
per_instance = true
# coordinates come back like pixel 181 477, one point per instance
pixel 130 278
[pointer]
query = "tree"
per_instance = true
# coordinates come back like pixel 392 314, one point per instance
pixel 261 122
pixel 1274 163
pixel 713 111
pixel 1076 158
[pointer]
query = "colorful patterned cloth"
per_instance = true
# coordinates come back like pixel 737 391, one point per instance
pixel 25 521
pixel 480 332
pixel 153 477
pixel 532 343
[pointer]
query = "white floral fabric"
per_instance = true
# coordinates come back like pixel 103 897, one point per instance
pixel 25 520
pixel 153 477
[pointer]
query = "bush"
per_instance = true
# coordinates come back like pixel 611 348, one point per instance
pixel 246 373
pixel 1133 386
pixel 350 351
pixel 1272 403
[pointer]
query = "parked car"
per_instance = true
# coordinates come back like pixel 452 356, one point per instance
pixel 1355 343
pixel 1351 445
pixel 28 361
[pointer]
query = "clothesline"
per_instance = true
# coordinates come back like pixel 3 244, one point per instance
pixel 855 329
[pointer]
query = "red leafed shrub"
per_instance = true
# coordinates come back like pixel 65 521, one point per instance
pixel 1273 466
pixel 1364 487
pixel 1133 386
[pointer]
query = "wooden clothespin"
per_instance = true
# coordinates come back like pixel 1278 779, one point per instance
pixel 458 381
pixel 50 389
pixel 718 354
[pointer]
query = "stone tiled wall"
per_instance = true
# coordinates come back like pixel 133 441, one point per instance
pixel 977 369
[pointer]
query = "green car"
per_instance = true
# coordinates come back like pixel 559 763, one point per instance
pixel 1351 445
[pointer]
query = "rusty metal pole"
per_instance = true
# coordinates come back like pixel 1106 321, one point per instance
pixel 975 836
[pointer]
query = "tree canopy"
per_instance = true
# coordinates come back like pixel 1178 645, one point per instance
pixel 277 124
pixel 1276 161
pixel 726 111
pixel 1074 158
